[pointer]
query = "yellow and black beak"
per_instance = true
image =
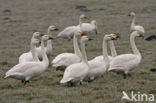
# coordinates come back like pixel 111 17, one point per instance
pixel 39 41
pixel 56 28
pixel 117 35
pixel 40 34
pixel 85 17
pixel 89 38
pixel 140 35
pixel 111 38
pixel 49 37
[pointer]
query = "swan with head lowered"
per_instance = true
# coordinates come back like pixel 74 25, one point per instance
pixel 48 48
pixel 126 62
pixel 99 67
pixel 66 59
pixel 134 27
pixel 27 70
pixel 26 57
pixel 68 32
pixel 77 72
pixel 112 48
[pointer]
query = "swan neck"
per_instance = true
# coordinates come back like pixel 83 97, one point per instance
pixel 112 48
pixel 33 51
pixel 105 53
pixel 44 56
pixel 49 46
pixel 76 47
pixel 133 45
pixel 133 22
pixel 80 22
pixel 84 56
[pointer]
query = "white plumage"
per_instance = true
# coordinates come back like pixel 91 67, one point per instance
pixel 134 27
pixel 126 62
pixel 27 70
pixel 78 71
pixel 26 57
pixel 68 32
pixel 66 59
pixel 88 27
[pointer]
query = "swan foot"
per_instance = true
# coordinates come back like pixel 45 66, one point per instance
pixel 80 82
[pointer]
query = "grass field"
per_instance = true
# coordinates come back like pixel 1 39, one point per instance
pixel 20 18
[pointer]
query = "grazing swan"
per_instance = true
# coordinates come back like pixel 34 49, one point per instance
pixel 134 27
pixel 27 70
pixel 88 27
pixel 98 68
pixel 112 48
pixel 126 62
pixel 78 71
pixel 68 32
pixel 48 49
pixel 26 57
pixel 66 59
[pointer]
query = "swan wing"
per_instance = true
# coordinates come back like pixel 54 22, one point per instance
pixel 139 28
pixel 124 62
pixel 75 72
pixel 67 32
pixel 26 57
pixel 65 59
pixel 27 68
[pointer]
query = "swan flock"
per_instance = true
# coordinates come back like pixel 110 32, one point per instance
pixel 77 66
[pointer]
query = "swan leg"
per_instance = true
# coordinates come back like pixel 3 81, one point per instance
pixel 25 82
pixel 124 75
pixel 22 81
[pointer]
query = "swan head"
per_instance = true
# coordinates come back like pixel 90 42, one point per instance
pixel 52 28
pixel 78 33
pixel 85 38
pixel 37 34
pixel 115 35
pixel 132 14
pixel 46 37
pixel 109 37
pixel 82 16
pixel 140 35
pixel 35 41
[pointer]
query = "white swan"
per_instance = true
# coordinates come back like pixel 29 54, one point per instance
pixel 68 32
pixel 25 57
pixel 27 70
pixel 66 59
pixel 134 27
pixel 126 62
pixel 78 71
pixel 48 48
pixel 98 68
pixel 112 48
pixel 88 27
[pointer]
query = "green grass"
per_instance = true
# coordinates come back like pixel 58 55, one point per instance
pixel 36 15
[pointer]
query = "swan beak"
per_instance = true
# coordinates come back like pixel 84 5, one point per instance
pixel 39 41
pixel 89 38
pixel 117 35
pixel 141 35
pixel 40 34
pixel 56 28
pixel 129 15
pixel 49 37
pixel 85 17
